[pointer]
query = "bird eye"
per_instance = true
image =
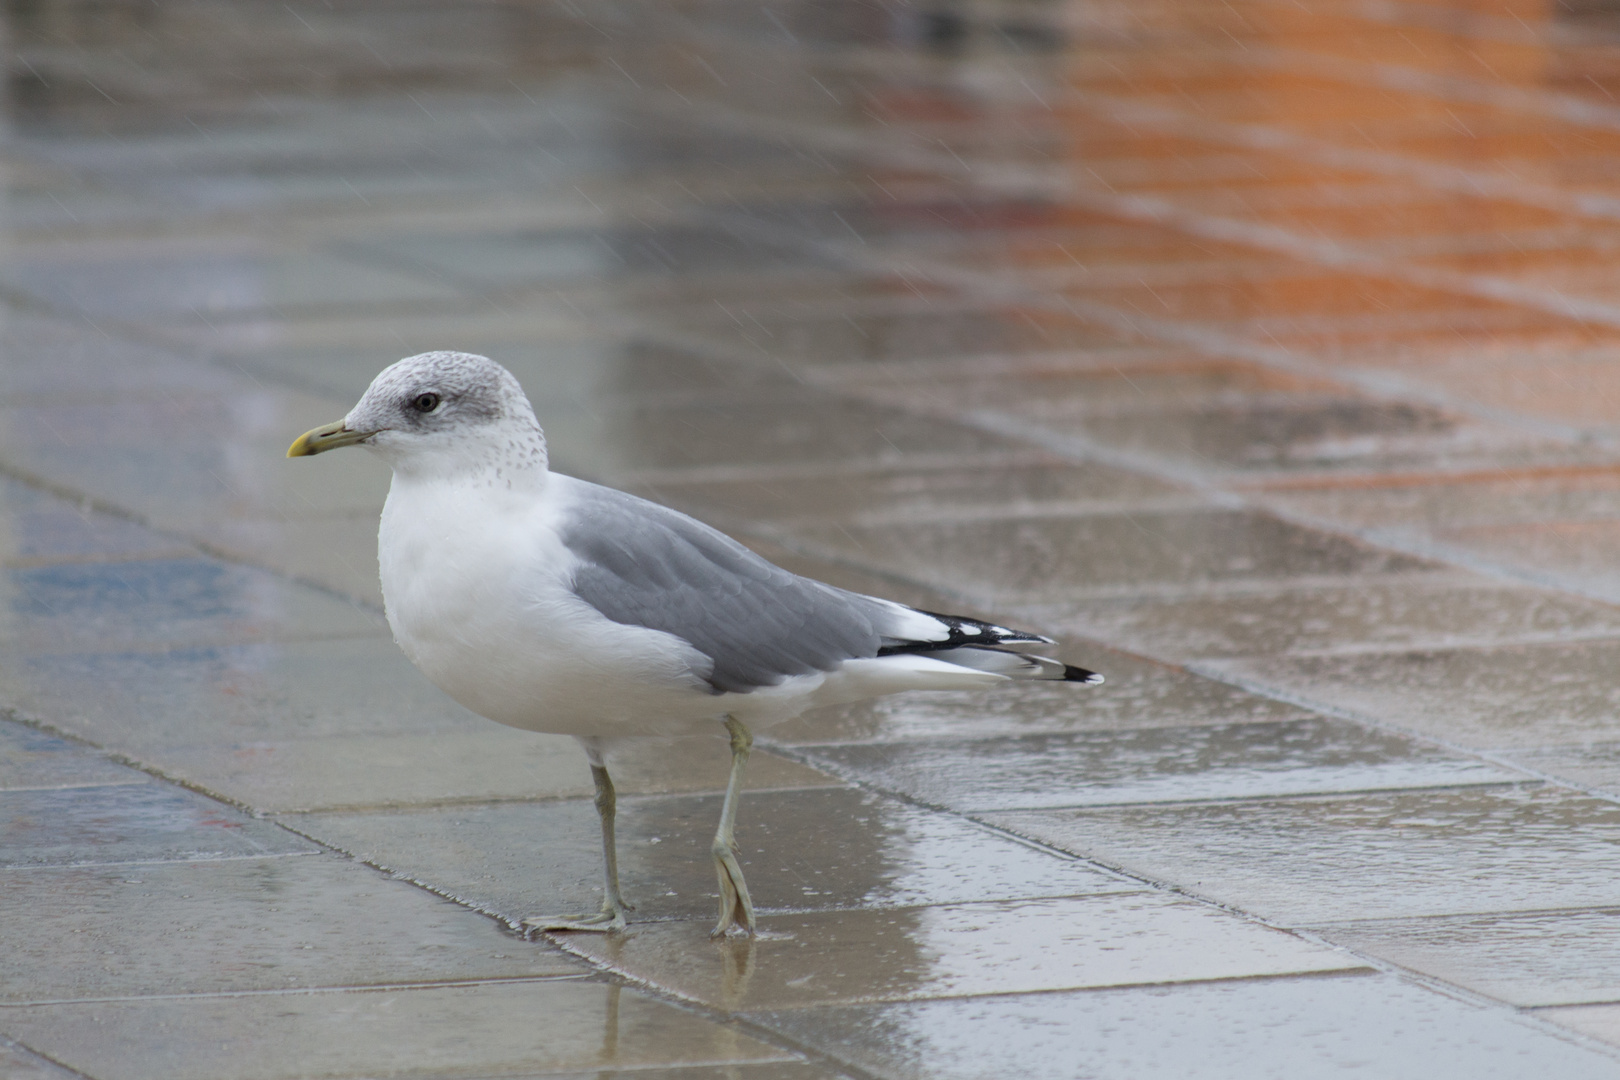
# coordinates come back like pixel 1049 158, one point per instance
pixel 425 402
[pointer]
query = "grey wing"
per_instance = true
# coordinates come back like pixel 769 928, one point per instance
pixel 646 565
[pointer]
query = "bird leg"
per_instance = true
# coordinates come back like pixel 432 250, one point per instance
pixel 611 917
pixel 736 909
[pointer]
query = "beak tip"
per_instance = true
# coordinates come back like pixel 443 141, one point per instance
pixel 328 437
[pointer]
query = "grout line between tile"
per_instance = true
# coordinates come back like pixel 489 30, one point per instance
pixel 303 991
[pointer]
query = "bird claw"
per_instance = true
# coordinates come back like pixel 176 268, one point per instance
pixel 603 922
pixel 736 908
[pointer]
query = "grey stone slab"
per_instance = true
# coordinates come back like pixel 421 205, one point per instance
pixel 1591 765
pixel 818 428
pixel 1137 694
pixel 156 283
pixel 956 951
pixel 18 1063
pixel 1600 1022
pixel 1509 696
pixel 952 488
pixel 1216 761
pixel 1450 502
pixel 335 551
pixel 146 603
pixel 1341 433
pixel 31 759
pixel 806 850
pixel 53 361
pixel 194 456
pixel 530 1028
pixel 941 330
pixel 776 1070
pixel 130 823
pixel 1374 615
pixel 575 256
pixel 276 923
pixel 1075 387
pixel 1034 556
pixel 141 702
pixel 1354 857
pixel 39 529
pixel 1545 958
pixel 1253 1029
pixel 480 761
pixel 1571 555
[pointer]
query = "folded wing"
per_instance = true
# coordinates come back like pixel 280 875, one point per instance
pixel 642 564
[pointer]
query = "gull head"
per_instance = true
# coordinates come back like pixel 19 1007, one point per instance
pixel 438 412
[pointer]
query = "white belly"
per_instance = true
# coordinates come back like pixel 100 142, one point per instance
pixel 478 599
pixel 478 590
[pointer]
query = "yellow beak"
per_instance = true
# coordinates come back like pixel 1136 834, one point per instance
pixel 326 437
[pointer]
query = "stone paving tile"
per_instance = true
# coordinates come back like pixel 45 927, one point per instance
pixel 1137 694
pixel 151 603
pixel 816 429
pixel 193 459
pixel 1551 958
pixel 137 702
pixel 1424 609
pixel 337 723
pixel 43 529
pixel 955 951
pixel 519 1028
pixel 945 331
pixel 806 850
pixel 19 1064
pixel 1570 553
pixel 86 365
pixel 1074 386
pixel 1295 291
pixel 1595 1021
pixel 779 1070
pixel 34 760
pixel 1522 695
pixel 1250 1029
pixel 483 760
pixel 1397 854
pixel 1591 765
pixel 147 283
pixel 130 823
pixel 283 922
pixel 1216 761
pixel 950 488
pixel 336 552
pixel 1578 389
pixel 1437 500
pixel 1347 433
pixel 509 258
pixel 1035 555
pixel 336 354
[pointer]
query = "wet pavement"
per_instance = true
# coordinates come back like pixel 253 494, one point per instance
pixel 1268 354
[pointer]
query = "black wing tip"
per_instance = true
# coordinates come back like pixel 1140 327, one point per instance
pixel 962 630
pixel 1080 675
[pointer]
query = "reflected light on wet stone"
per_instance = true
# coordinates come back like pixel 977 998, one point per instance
pixel 1262 353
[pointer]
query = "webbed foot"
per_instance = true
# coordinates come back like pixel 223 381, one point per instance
pixel 606 921
pixel 736 909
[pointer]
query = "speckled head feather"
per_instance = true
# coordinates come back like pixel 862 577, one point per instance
pixel 450 410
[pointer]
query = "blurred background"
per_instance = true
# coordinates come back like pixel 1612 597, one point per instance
pixel 1265 352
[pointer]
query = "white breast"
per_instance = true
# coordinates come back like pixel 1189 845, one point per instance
pixel 476 583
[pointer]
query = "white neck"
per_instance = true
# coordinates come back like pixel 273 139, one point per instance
pixel 508 454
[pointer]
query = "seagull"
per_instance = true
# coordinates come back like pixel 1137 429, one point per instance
pixel 556 605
